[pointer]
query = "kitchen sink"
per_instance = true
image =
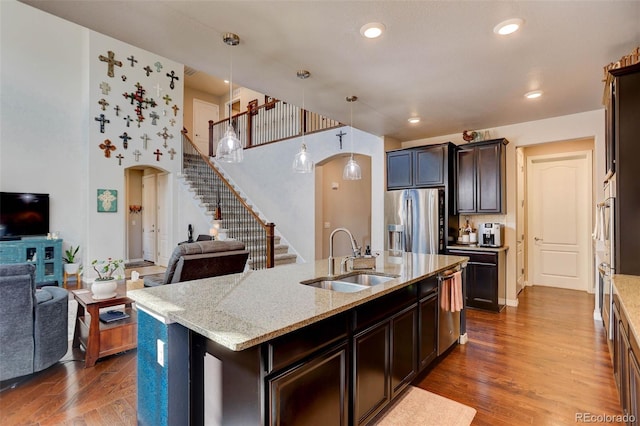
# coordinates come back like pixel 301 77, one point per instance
pixel 350 283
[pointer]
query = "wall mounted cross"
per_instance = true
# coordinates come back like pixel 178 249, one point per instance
pixel 141 101
pixel 158 89
pixel 117 108
pixel 145 138
pixel 101 118
pixel 172 152
pixel 103 104
pixel 107 147
pixel 137 154
pixel 104 86
pixel 128 119
pixel 110 59
pixel 175 109
pixel 165 136
pixel 172 122
pixel 172 76
pixel 158 66
pixel 148 70
pixel 340 135
pixel 125 140
pixel 132 60
pixel 157 154
pixel 167 99
pixel 119 157
pixel 154 118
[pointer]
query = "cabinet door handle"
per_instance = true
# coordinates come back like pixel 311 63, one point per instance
pixel 538 239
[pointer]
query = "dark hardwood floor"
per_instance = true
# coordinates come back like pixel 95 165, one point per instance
pixel 538 364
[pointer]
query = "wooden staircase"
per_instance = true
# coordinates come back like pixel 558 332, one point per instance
pixel 207 194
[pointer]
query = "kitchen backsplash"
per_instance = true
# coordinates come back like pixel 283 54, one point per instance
pixel 476 219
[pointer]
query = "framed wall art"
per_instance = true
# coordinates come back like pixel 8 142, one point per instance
pixel 107 201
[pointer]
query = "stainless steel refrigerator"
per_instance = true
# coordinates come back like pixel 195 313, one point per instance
pixel 414 220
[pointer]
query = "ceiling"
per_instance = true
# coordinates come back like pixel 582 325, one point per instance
pixel 439 60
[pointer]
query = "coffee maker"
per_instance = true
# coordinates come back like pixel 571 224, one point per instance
pixel 491 234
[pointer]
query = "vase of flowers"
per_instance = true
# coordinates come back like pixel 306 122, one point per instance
pixel 104 287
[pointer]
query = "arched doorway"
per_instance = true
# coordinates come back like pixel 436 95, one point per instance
pixel 148 228
pixel 342 203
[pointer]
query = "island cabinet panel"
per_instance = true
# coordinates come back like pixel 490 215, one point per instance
pixel 371 372
pixel 485 279
pixel 404 334
pixel 428 330
pixel 311 393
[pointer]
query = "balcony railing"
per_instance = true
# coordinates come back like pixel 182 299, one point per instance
pixel 268 123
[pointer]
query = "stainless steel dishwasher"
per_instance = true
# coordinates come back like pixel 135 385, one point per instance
pixel 448 322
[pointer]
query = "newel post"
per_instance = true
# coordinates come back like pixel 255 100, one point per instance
pixel 271 262
pixel 211 138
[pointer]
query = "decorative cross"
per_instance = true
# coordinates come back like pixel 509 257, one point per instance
pixel 137 154
pixel 154 118
pixel 104 86
pixel 124 77
pixel 172 152
pixel 165 136
pixel 139 120
pixel 158 89
pixel 172 122
pixel 128 119
pixel 119 157
pixel 103 104
pixel 142 102
pixel 158 154
pixel 340 135
pixel 125 140
pixel 101 118
pixel 111 61
pixel 167 99
pixel 145 138
pixel 175 109
pixel 107 147
pixel 172 76
pixel 148 70
pixel 132 60
pixel 117 108
pixel 158 66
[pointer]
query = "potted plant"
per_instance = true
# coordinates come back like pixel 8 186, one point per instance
pixel 70 256
pixel 104 287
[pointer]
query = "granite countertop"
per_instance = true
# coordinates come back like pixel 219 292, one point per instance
pixel 475 247
pixel 243 310
pixel 627 288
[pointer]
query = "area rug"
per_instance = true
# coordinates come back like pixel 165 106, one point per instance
pixel 138 264
pixel 419 407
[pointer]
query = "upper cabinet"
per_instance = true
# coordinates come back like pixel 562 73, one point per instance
pixel 481 177
pixel 421 167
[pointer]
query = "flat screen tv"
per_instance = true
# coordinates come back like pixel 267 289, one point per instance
pixel 23 214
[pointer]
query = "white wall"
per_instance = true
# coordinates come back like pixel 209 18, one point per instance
pixel 288 199
pixel 566 128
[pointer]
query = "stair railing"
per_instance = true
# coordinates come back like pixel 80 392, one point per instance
pixel 268 123
pixel 240 220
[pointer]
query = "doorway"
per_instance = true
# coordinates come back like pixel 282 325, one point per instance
pixel 202 113
pixel 148 227
pixel 342 204
pixel 559 198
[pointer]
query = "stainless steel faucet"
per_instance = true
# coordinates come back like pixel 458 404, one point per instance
pixel 354 247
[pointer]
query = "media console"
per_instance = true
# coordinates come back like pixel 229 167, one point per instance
pixel 45 254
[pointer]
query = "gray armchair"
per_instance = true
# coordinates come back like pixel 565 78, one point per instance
pixel 201 259
pixel 33 324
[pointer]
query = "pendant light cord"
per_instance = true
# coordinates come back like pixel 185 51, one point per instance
pixel 230 84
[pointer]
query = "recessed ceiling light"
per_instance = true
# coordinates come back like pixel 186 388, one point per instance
pixel 533 95
pixel 372 30
pixel 509 26
pixel 414 120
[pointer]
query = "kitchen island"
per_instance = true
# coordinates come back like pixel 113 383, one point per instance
pixel 261 348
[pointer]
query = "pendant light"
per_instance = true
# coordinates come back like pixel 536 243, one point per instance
pixel 352 168
pixel 302 162
pixel 229 148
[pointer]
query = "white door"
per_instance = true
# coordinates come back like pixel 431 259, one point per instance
pixel 520 217
pixel 163 220
pixel 202 113
pixel 559 220
pixel 149 204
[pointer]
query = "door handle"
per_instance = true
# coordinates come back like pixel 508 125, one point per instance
pixel 538 239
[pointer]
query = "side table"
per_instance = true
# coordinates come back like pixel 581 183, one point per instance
pixel 102 339
pixel 65 279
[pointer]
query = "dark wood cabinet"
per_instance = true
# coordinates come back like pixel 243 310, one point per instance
pixel 427 330
pixel 422 167
pixel 312 393
pixel 403 336
pixel 481 185
pixel 624 144
pixel 486 278
pixel 634 384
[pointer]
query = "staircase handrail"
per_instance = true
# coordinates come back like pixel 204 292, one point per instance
pixel 268 227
